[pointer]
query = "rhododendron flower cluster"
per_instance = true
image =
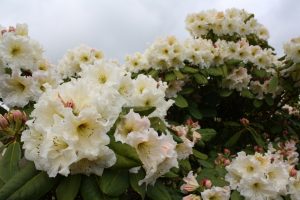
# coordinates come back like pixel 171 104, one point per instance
pixel 24 70
pixel 68 132
pixel 262 176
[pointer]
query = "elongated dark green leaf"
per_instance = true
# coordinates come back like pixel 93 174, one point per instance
pixel 181 102
pixel 124 150
pixel 215 71
pixel 158 192
pixel 185 165
pixel 158 124
pixel 68 187
pixel 246 93
pixel 233 139
pixel 258 139
pixel 9 162
pixel 18 180
pixel 235 195
pixel 89 189
pixel 35 188
pixel 257 103
pixel 134 183
pixel 125 163
pixel 114 182
pixel 189 70
pixel 225 93
pixel 199 155
pixel 170 77
pixel 200 79
pixel 178 74
pixel 273 84
pixel 144 111
pixel 207 134
pixel 269 100
pixel 194 111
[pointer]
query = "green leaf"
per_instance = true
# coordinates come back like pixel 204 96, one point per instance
pixel 181 102
pixel 124 163
pixel 170 77
pixel 124 150
pixel 153 73
pixel 258 139
pixel 199 155
pixel 260 73
pixel 232 123
pixel 206 164
pixel 233 62
pixel 273 84
pixel 269 100
pixel 185 165
pixel 187 91
pixel 35 188
pixel 194 111
pixel 189 70
pixel 90 190
pixel 207 134
pixel 233 139
pixel 200 79
pixel 225 93
pixel 68 187
pixel 246 93
pixel 134 183
pixel 144 111
pixel 257 103
pixel 9 162
pixel 158 124
pixel 225 70
pixel 215 71
pixel 235 195
pixel 208 112
pixel 26 173
pixel 179 75
pixel 114 182
pixel 158 192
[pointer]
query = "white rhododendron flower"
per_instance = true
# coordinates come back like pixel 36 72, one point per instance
pixel 259 176
pixel 191 183
pixel 219 193
pixel 294 187
pixel 157 153
pixel 165 53
pixel 136 62
pixel 238 79
pixel 130 124
pixel 74 61
pixel 292 49
pixel 24 72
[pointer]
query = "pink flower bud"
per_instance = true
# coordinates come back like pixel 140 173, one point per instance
pixel 226 162
pixel 206 183
pixel 192 197
pixel 293 172
pixel 226 151
pixel 3 122
pixel 18 115
pixel 244 121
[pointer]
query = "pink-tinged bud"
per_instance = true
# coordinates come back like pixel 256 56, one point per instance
pixel 226 162
pixel 3 123
pixel 206 183
pixel 244 121
pixel 192 197
pixel 226 151
pixel 189 122
pixel 196 136
pixel 285 132
pixel 11 29
pixel 258 149
pixel 3 31
pixel 293 172
pixel 18 115
pixel 191 184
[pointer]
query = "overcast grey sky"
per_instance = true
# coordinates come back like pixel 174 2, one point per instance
pixel 120 27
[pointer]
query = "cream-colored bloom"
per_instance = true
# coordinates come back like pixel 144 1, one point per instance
pixel 129 124
pixel 191 197
pixel 191 183
pixel 157 153
pixel 217 193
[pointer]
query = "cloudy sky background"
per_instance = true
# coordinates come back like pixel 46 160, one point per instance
pixel 121 27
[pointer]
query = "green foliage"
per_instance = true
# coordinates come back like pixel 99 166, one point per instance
pixel 68 187
pixel 114 182
pixel 134 179
pixel 9 164
pixel 158 192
